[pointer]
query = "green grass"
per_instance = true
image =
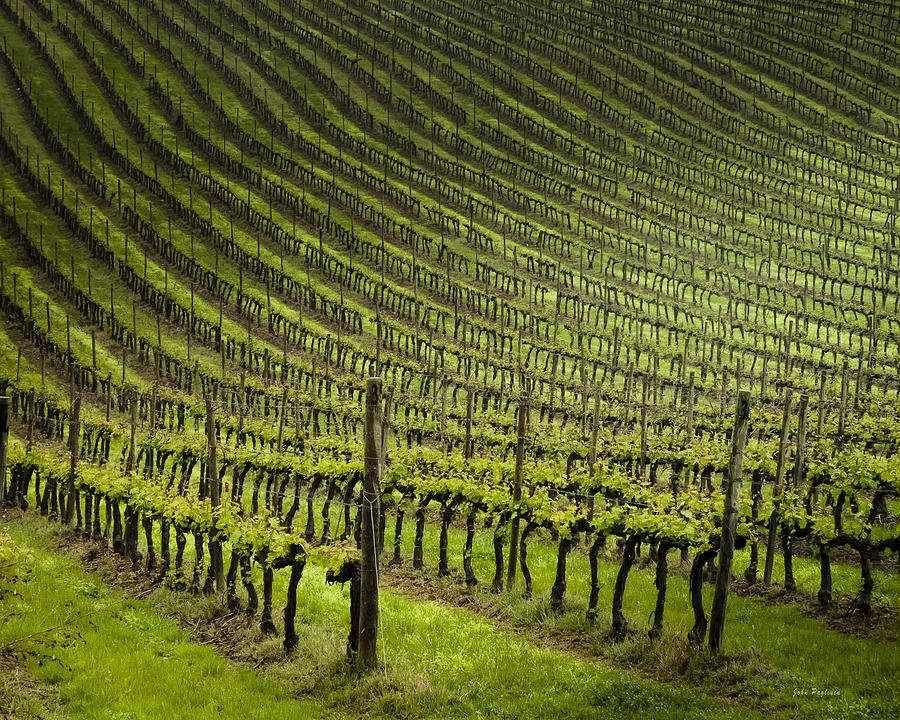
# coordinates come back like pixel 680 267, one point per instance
pixel 443 662
pixel 127 658
pixel 780 653
pixel 112 657
pixel 776 651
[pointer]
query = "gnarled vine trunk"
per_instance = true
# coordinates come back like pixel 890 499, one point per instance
pixel 180 543
pixel 290 608
pixel 755 494
pixel 446 517
pixel 790 585
pixel 595 586
pixel 265 621
pixel 398 535
pixel 247 580
pixel 165 552
pixel 97 533
pixel 147 524
pixel 471 580
pixel 864 600
pixel 418 551
pixel 131 535
pixel 497 582
pixel 662 568
pixel 698 633
pixel 231 597
pixel 353 637
pixel 523 557
pixel 88 513
pixel 117 539
pixel 618 618
pixel 824 594
pixel 558 591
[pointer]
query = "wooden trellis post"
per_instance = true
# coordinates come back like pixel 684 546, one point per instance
pixel 729 520
pixel 517 493
pixel 779 474
pixel 370 512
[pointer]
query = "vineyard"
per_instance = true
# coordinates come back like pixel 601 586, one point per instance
pixel 607 260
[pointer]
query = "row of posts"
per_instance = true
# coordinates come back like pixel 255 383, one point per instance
pixel 374 461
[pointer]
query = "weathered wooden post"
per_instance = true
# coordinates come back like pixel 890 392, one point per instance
pixel 779 475
pixel 128 541
pixel 800 456
pixel 689 429
pixel 284 399
pixel 842 412
pixel 214 486
pixel 797 478
pixel 821 404
pixel 643 458
pixel 370 512
pixel 74 432
pixel 382 458
pixel 592 459
pixel 467 447
pixel 517 493
pixel 729 520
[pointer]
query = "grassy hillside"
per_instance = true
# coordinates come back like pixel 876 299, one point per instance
pixel 599 197
pixel 567 232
